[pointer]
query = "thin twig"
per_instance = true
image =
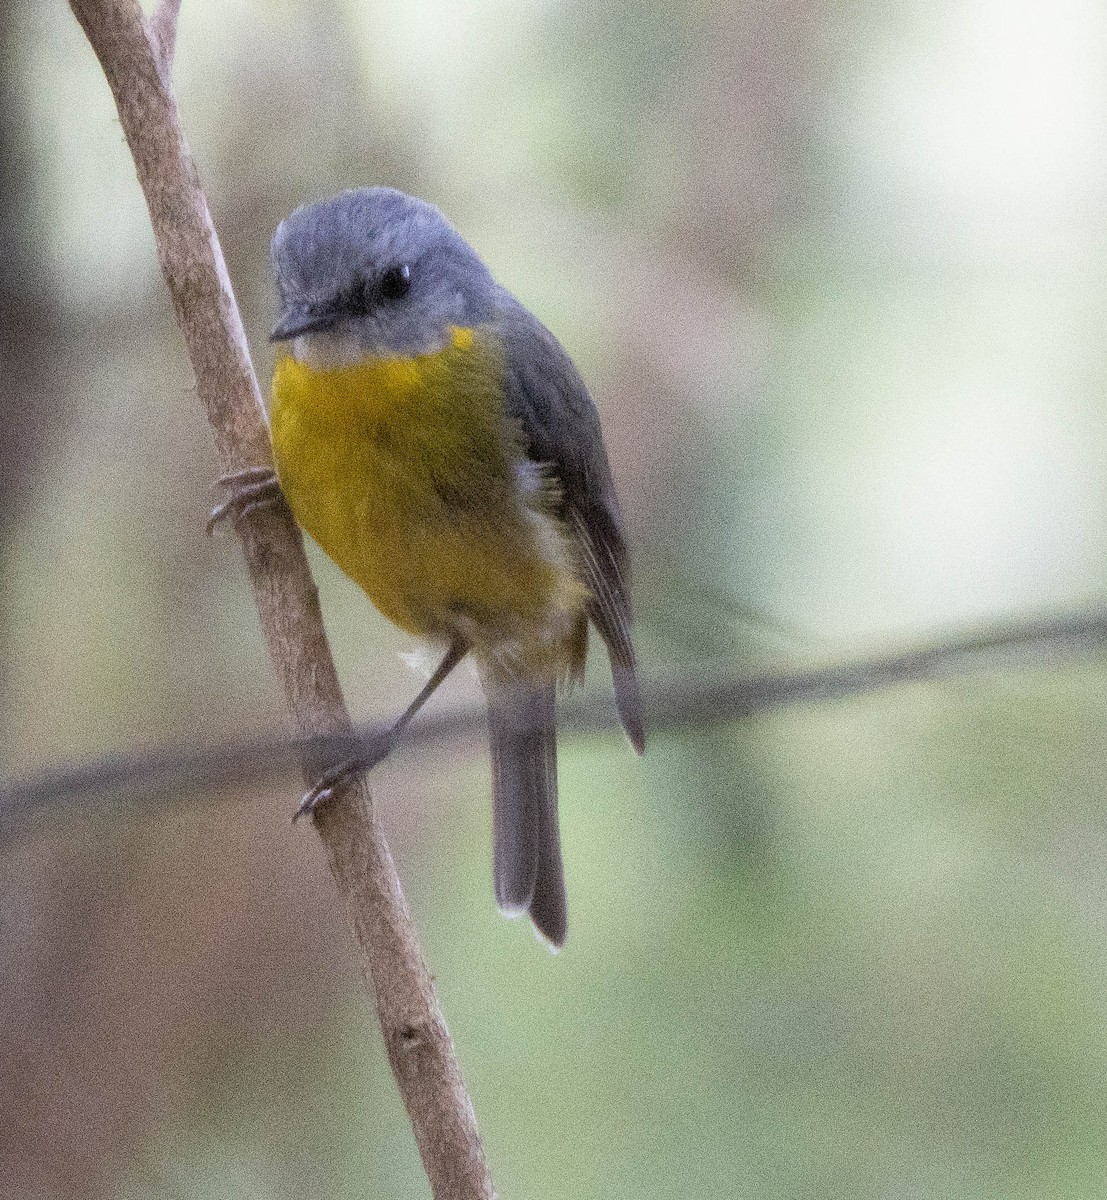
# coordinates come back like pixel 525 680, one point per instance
pixel 135 55
pixel 679 704
pixel 163 33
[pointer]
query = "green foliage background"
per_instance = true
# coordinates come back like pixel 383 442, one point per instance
pixel 836 276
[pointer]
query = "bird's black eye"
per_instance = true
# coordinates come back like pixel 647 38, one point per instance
pixel 396 281
pixel 358 299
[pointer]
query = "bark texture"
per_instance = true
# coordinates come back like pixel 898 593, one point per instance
pixel 136 55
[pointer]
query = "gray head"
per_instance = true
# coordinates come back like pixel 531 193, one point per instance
pixel 373 271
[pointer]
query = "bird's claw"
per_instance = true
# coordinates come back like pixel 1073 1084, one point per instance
pixel 249 490
pixel 335 779
pixel 326 787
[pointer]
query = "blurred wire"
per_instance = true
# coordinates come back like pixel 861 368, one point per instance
pixel 168 772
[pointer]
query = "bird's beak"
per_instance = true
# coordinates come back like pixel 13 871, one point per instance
pixel 298 320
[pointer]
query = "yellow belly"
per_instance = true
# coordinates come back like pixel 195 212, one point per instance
pixel 404 471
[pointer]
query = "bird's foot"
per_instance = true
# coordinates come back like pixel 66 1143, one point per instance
pixel 326 787
pixel 336 779
pixel 248 490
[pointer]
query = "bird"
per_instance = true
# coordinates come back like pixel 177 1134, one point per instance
pixel 438 443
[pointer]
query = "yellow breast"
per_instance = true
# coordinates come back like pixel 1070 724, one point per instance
pixel 404 471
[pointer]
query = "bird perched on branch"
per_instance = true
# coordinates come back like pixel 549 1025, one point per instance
pixel 438 443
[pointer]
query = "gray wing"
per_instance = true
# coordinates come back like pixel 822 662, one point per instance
pixel 561 430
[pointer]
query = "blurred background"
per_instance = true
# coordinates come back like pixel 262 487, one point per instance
pixel 837 276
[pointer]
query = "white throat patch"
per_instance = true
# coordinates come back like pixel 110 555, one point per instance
pixel 327 350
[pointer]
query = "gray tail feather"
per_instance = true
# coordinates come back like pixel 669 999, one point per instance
pixel 526 845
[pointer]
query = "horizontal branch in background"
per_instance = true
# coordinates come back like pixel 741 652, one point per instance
pixel 680 704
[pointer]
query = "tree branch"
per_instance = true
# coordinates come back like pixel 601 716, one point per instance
pixel 679 704
pixel 163 34
pixel 136 55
